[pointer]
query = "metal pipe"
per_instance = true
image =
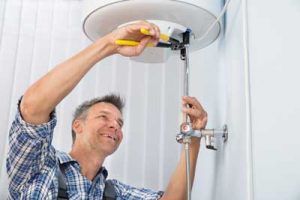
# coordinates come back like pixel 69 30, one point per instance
pixel 186 75
pixel 184 134
pixel 187 159
pixel 187 139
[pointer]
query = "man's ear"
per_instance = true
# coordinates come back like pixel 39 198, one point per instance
pixel 77 126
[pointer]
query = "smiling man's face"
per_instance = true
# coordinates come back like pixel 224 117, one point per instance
pixel 102 128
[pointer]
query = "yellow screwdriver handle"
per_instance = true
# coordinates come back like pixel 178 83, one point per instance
pixel 164 37
pixel 131 43
pixel 126 43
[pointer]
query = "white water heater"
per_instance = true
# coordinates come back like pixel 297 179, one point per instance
pixel 172 16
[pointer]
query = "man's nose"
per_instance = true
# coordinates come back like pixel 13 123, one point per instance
pixel 114 124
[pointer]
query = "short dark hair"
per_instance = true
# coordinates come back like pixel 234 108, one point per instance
pixel 82 110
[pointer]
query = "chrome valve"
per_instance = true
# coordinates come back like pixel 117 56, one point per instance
pixel 210 135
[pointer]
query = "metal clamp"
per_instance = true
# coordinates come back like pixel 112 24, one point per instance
pixel 186 130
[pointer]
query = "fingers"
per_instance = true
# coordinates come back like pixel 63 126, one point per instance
pixel 133 32
pixel 195 111
pixel 192 101
pixel 142 45
pixel 153 29
pixel 156 31
pixel 135 28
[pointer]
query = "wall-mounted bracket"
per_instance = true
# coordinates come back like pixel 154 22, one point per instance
pixel 211 135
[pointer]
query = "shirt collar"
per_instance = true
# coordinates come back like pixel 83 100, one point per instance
pixel 64 157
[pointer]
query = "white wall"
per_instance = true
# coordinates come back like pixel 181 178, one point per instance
pixel 274 62
pixel 258 56
pixel 225 174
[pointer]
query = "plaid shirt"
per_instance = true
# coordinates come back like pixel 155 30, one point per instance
pixel 33 164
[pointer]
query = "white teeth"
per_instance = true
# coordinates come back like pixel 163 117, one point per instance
pixel 109 136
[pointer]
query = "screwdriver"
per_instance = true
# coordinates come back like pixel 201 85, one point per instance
pixel 163 37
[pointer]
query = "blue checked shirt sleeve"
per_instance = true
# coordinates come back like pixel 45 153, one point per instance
pixel 131 193
pixel 30 151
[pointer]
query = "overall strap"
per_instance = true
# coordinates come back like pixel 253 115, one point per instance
pixel 62 186
pixel 109 191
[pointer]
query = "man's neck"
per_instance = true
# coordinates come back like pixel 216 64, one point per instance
pixel 90 161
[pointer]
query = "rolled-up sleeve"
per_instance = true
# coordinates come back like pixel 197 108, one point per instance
pixel 132 193
pixel 30 150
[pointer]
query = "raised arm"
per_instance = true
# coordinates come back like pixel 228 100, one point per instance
pixel 43 96
pixel 176 189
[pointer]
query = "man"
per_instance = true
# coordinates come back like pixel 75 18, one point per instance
pixel 33 164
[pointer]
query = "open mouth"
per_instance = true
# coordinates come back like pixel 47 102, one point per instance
pixel 109 136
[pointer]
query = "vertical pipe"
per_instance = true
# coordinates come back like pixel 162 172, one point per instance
pixel 186 74
pixel 186 71
pixel 187 139
pixel 188 178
